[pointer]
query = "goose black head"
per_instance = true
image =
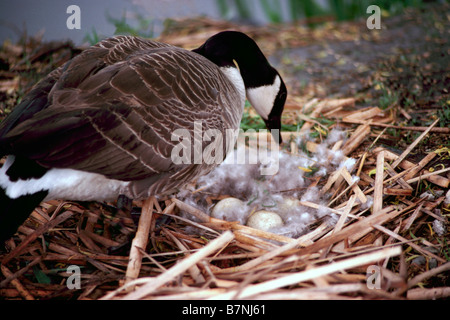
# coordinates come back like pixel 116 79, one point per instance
pixel 264 86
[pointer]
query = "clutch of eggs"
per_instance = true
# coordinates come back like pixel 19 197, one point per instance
pixel 233 209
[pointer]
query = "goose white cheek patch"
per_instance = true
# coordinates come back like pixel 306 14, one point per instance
pixel 262 98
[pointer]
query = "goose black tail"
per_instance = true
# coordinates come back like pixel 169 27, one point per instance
pixel 13 212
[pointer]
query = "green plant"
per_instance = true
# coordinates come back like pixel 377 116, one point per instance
pixel 301 9
pixel 92 38
pixel 272 10
pixel 444 115
pixel 241 7
pixel 257 123
pixel 386 96
pixel 143 29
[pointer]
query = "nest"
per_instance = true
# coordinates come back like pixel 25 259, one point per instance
pixel 396 239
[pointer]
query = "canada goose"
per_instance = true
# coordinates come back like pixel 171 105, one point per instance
pixel 100 125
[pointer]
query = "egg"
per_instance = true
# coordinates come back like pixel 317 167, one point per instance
pixel 230 209
pixel 264 220
pixel 288 205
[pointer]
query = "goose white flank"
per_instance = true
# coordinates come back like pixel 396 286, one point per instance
pixel 100 126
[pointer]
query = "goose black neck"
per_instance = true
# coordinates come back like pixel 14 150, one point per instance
pixel 227 46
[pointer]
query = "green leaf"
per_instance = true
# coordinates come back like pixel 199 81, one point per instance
pixel 41 277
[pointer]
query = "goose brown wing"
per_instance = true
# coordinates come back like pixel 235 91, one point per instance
pixel 71 74
pixel 117 118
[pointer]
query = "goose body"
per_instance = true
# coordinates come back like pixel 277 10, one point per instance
pixel 102 125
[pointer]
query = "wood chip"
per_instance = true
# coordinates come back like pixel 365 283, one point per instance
pixel 361 134
pixel 378 188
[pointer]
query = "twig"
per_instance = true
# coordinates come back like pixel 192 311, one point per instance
pixel 154 283
pixel 346 175
pixel 311 274
pixel 360 134
pixel 364 156
pixel 341 222
pixel 343 192
pixel 20 272
pixel 399 179
pixel 309 121
pixel 421 277
pixel 405 164
pixel 16 283
pixel 317 206
pixel 413 145
pixel 413 245
pixel 422 163
pixel 363 115
pixel 378 189
pixel 345 213
pixel 413 217
pixel 194 211
pixel 427 175
pixel 384 125
pixel 193 270
pixel 428 294
pixel 52 223
pixel 198 225
pixel 327 292
pixel 355 230
pixel 140 241
pixel 269 255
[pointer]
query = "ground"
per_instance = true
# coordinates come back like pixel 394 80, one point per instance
pixel 384 87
